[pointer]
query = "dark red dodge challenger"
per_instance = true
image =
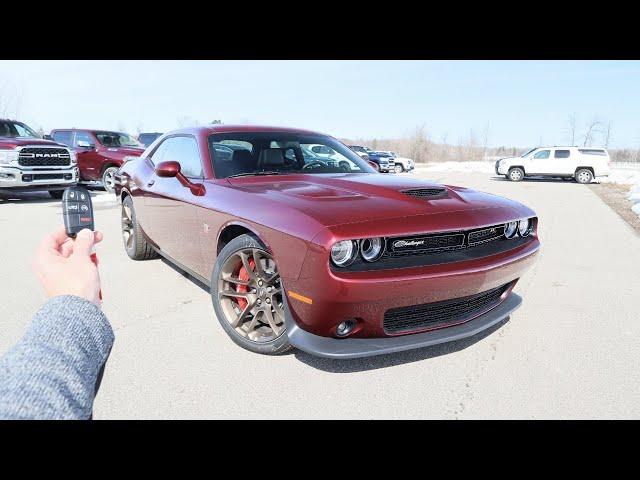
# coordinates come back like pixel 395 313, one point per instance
pixel 323 253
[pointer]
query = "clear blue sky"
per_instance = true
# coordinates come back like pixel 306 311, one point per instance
pixel 522 102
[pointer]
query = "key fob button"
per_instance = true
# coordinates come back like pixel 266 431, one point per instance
pixel 84 208
pixel 72 207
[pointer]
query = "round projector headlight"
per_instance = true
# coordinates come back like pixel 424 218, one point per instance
pixel 524 227
pixel 510 229
pixel 343 252
pixel 371 248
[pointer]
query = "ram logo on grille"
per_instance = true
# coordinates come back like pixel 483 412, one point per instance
pixel 46 155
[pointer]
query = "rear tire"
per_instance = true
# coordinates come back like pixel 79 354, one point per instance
pixel 398 168
pixel 516 174
pixel 584 176
pixel 56 194
pixel 133 239
pixel 244 328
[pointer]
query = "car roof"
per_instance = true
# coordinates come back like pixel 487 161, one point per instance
pixel 210 129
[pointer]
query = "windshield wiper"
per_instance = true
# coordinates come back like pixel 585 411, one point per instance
pixel 248 174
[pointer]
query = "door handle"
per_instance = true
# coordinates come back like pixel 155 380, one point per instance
pixel 151 182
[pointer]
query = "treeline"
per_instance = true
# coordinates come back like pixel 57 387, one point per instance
pixel 420 147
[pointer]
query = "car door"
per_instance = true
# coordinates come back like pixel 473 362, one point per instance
pixel 85 145
pixel 540 163
pixel 171 208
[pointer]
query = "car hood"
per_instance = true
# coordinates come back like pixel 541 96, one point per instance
pixel 351 198
pixel 10 142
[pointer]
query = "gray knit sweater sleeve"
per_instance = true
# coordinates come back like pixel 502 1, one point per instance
pixel 51 372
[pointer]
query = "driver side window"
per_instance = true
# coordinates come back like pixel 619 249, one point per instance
pixel 541 155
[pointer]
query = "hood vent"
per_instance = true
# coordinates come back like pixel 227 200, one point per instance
pixel 427 193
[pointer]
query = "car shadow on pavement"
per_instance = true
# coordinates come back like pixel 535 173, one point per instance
pixel 27 199
pixel 393 359
pixel 539 180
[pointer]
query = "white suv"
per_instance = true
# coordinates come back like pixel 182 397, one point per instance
pixel 583 164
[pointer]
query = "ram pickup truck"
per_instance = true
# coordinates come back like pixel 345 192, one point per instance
pixel 29 163
pixel 100 153
pixel 581 164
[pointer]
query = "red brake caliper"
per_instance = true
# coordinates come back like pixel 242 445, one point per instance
pixel 244 276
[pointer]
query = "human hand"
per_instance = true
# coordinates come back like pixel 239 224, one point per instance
pixel 64 266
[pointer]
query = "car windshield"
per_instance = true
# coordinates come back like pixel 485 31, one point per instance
pixel 528 152
pixel 273 153
pixel 16 130
pixel 116 139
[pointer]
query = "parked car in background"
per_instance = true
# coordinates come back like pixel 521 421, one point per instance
pixel 402 164
pixel 303 254
pixel 384 160
pixel 147 139
pixel 362 151
pixel 30 163
pixel 99 152
pixel 580 163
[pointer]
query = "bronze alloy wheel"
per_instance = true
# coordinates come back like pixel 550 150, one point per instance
pixel 127 226
pixel 250 295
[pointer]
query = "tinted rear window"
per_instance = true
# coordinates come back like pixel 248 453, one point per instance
pixel 591 151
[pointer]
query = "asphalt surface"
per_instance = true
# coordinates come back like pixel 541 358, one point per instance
pixel 571 351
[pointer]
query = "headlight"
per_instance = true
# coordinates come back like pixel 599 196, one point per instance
pixel 371 248
pixel 524 227
pixel 8 156
pixel 73 157
pixel 343 252
pixel 128 158
pixel 510 229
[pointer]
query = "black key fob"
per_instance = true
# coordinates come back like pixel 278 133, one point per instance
pixel 77 210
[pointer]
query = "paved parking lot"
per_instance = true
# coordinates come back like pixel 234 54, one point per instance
pixel 571 351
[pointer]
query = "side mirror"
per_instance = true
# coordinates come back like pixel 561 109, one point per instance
pixel 47 137
pixel 171 169
pixel 168 169
pixel 375 166
pixel 85 144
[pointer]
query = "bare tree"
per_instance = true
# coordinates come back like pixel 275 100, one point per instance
pixel 594 128
pixel 485 140
pixel 572 128
pixel 10 100
pixel 607 135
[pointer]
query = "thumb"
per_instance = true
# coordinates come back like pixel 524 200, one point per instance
pixel 84 243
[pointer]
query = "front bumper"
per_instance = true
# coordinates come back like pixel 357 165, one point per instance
pixel 366 347
pixel 16 179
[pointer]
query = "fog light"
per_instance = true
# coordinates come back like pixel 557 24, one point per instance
pixel 8 176
pixel 68 176
pixel 27 178
pixel 345 328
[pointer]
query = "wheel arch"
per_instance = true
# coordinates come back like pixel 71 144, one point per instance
pixel 511 167
pixel 593 173
pixel 234 229
pixel 108 164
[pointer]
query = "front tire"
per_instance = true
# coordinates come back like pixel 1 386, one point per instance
pixel 109 179
pixel 584 176
pixel 516 174
pixel 398 168
pixel 247 296
pixel 133 239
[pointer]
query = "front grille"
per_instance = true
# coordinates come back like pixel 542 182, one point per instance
pixel 424 192
pixel 423 244
pixel 441 314
pixel 486 235
pixel 48 176
pixel 44 157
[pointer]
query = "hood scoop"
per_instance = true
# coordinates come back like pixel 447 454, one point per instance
pixel 426 193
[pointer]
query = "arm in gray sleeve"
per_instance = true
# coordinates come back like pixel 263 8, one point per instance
pixel 51 372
